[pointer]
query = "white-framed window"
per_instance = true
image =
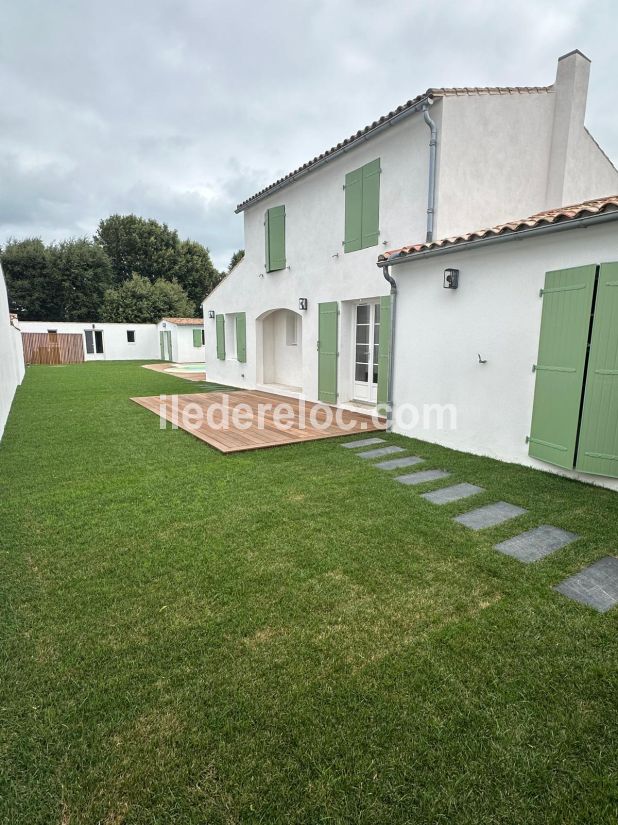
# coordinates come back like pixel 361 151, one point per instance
pixel 230 335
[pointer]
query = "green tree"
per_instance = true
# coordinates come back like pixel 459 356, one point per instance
pixel 195 272
pixel 32 291
pixel 137 245
pixel 153 250
pixel 235 259
pixel 81 273
pixel 139 301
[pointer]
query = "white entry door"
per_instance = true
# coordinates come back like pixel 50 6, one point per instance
pixel 366 347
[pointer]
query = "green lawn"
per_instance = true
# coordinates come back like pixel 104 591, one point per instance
pixel 284 636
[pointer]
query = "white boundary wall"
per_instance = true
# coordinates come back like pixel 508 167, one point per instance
pixel 11 357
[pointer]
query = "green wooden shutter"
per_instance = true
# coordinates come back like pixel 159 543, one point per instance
pixel 598 440
pixel 241 336
pixel 275 238
pixel 168 335
pixel 197 337
pixel 162 345
pixel 565 324
pixel 371 204
pixel 353 210
pixel 220 326
pixel 327 351
pixel 384 349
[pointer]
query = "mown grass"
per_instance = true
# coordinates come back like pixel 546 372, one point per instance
pixel 284 636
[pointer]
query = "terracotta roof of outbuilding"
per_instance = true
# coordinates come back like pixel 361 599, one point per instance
pixel 185 321
pixel 429 95
pixel 550 216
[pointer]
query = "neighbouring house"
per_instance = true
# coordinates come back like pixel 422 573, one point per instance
pixel 64 342
pixel 518 357
pixel 304 311
pixel 181 339
pixel 11 356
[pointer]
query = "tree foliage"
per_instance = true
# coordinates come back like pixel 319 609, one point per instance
pixel 235 259
pixel 69 281
pixel 60 282
pixel 154 251
pixel 139 301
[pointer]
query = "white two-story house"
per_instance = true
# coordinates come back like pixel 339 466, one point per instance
pixel 307 310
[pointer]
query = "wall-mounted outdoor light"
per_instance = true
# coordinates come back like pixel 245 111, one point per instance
pixel 303 303
pixel 451 278
pixel 211 313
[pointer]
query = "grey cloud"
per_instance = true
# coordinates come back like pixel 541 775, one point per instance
pixel 179 110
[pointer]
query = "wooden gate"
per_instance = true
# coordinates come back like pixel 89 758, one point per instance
pixel 52 348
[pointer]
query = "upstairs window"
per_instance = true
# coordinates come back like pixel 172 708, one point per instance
pixel 362 207
pixel 130 336
pixel 274 225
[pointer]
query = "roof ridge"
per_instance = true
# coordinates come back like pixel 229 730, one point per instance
pixel 409 107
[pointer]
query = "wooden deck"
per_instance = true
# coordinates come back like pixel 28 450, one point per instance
pixel 233 432
pixel 168 368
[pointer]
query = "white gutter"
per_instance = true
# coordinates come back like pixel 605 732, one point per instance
pixel 516 235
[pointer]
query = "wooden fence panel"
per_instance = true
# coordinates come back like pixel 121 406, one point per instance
pixel 59 348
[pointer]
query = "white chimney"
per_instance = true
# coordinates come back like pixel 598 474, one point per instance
pixel 570 95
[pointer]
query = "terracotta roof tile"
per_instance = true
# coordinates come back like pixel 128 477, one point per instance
pixel 429 95
pixel 185 321
pixel 550 216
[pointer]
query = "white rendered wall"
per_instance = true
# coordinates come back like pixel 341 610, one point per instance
pixel 185 352
pixel 318 267
pixel 115 344
pixel 495 312
pixel 11 357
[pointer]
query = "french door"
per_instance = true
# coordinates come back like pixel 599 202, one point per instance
pixel 94 343
pixel 366 348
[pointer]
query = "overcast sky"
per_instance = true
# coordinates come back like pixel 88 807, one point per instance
pixel 179 109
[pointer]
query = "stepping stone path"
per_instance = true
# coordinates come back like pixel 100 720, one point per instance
pixel 490 515
pixel 381 451
pixel 423 477
pixel 596 586
pixel 536 544
pixel 364 442
pixel 395 463
pixel 448 494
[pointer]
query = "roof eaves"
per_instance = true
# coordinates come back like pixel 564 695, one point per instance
pixel 585 213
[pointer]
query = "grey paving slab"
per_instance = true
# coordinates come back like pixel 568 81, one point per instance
pixel 596 586
pixel 445 495
pixel 381 451
pixel 395 463
pixel 537 543
pixel 490 515
pixel 364 442
pixel 422 477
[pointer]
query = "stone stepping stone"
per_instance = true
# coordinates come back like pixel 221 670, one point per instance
pixel 381 451
pixel 537 543
pixel 423 477
pixel 445 495
pixel 596 586
pixel 395 463
pixel 364 442
pixel 490 515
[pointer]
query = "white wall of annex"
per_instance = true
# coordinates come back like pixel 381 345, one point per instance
pixel 495 312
